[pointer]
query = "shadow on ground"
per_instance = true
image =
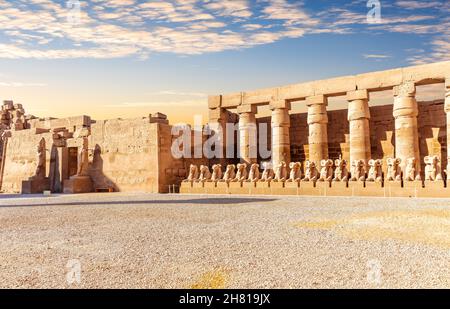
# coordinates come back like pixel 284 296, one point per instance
pixel 203 201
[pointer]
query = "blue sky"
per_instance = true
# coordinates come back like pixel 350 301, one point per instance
pixel 128 58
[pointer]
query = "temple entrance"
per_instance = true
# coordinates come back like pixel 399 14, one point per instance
pixel 73 161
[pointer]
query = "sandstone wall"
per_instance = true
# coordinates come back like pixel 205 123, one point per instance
pixel 20 161
pixel 125 155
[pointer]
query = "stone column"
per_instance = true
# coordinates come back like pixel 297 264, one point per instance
pixel 218 118
pixel 447 110
pixel 248 144
pixel 406 131
pixel 281 144
pixel 318 133
pixel 359 116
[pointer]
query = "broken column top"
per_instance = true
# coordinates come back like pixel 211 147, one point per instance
pixel 158 118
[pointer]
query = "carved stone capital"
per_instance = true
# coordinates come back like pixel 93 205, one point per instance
pixel 279 104
pixel 358 95
pixel 407 89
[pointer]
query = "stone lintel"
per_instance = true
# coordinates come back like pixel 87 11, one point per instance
pixel 217 114
pixel 214 101
pixel 407 89
pixel 280 104
pixel 232 100
pixel 358 95
pixel 247 109
pixel 317 100
pixel 258 97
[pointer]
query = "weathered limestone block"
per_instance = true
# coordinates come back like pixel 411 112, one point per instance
pixel 309 188
pixel 317 121
pixel 78 184
pixel 248 142
pixel 358 117
pixel 379 80
pixel 406 130
pixel 339 188
pixel 231 100
pixel 280 123
pixel 263 96
pixel 35 186
pixel 214 101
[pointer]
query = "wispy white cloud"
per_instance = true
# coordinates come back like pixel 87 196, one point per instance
pixel 376 56
pixel 21 84
pixel 119 28
pixel 417 4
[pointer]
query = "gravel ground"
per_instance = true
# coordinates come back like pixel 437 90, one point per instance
pixel 190 241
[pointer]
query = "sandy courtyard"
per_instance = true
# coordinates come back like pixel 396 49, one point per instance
pixel 164 241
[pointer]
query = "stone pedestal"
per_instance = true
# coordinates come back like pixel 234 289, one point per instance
pixel 358 117
pixel 198 187
pixel 237 188
pixel 324 187
pixel 281 144
pixel 372 188
pixel 412 188
pixel 277 188
pixel 186 187
pixel 35 186
pixel 433 189
pixel 356 188
pixel 248 144
pixel 291 188
pixel 339 188
pixel 318 133
pixel 394 189
pixel 210 187
pixel 406 131
pixel 78 184
pixel 222 187
pixel 308 188
pixel 262 188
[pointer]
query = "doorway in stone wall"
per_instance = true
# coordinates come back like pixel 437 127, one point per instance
pixel 73 161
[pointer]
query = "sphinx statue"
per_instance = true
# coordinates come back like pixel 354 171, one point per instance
pixel 341 172
pixel 205 174
pixel 242 173
pixel 216 172
pixel 193 173
pixel 358 171
pixel 326 173
pixel 411 173
pixel 295 174
pixel 433 168
pixel 280 172
pixel 375 171
pixel 254 174
pixel 230 173
pixel 311 172
pixel 394 172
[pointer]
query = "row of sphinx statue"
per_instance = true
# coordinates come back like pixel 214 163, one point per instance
pixel 329 171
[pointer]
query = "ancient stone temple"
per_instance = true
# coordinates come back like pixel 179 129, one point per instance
pixel 80 155
pixel 397 149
